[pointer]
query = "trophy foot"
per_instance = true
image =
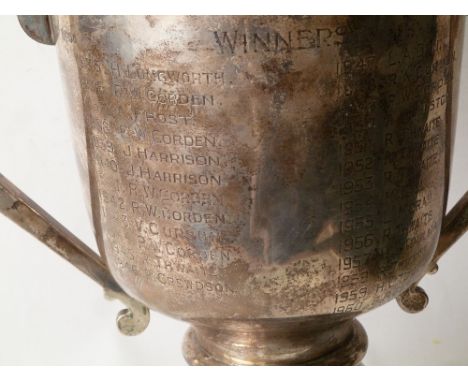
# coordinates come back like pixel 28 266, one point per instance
pixel 266 343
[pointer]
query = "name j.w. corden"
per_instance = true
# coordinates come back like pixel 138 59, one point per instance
pixel 261 40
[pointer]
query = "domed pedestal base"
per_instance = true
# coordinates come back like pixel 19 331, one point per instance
pixel 276 343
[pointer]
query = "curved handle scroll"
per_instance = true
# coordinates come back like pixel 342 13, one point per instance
pixel 28 215
pixel 23 211
pixel 454 225
pixel 40 28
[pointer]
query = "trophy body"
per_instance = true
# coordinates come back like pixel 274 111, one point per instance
pixel 266 178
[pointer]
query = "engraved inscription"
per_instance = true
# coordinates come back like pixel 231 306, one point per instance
pixel 237 42
pixel 250 165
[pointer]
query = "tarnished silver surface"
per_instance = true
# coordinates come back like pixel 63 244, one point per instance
pixel 266 178
pixel 39 28
pixel 28 215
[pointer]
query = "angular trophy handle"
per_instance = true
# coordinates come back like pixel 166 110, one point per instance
pixel 28 215
pixel 454 225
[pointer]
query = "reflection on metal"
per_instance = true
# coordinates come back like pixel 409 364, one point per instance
pixel 265 178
